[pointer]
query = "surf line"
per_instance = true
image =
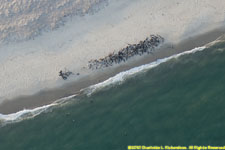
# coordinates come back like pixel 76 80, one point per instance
pixel 118 78
pixel 30 113
pixel 122 76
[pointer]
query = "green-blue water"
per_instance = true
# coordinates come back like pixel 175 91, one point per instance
pixel 180 102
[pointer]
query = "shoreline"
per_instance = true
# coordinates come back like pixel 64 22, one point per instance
pixel 49 96
pixel 33 66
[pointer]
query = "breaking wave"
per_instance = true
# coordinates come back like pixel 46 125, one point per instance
pixel 117 79
pixel 122 76
pixel 30 113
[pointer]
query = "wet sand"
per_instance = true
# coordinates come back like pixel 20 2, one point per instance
pixel 49 96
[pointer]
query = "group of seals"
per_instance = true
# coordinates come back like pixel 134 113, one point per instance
pixel 65 74
pixel 146 46
pixel 143 47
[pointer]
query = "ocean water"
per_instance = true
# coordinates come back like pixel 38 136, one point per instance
pixel 178 102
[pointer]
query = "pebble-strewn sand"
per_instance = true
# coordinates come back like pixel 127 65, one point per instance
pixel 25 19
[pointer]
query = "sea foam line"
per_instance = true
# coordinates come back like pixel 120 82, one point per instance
pixel 30 113
pixel 122 76
pixel 117 79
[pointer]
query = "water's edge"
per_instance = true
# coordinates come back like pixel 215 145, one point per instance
pixel 48 96
pixel 117 79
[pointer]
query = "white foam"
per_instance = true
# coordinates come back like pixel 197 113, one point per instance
pixel 122 76
pixel 117 79
pixel 24 114
pixel 30 113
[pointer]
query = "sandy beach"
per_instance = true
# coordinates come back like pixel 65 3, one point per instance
pixel 30 68
pixel 46 97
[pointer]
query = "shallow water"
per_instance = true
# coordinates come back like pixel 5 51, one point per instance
pixel 180 102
